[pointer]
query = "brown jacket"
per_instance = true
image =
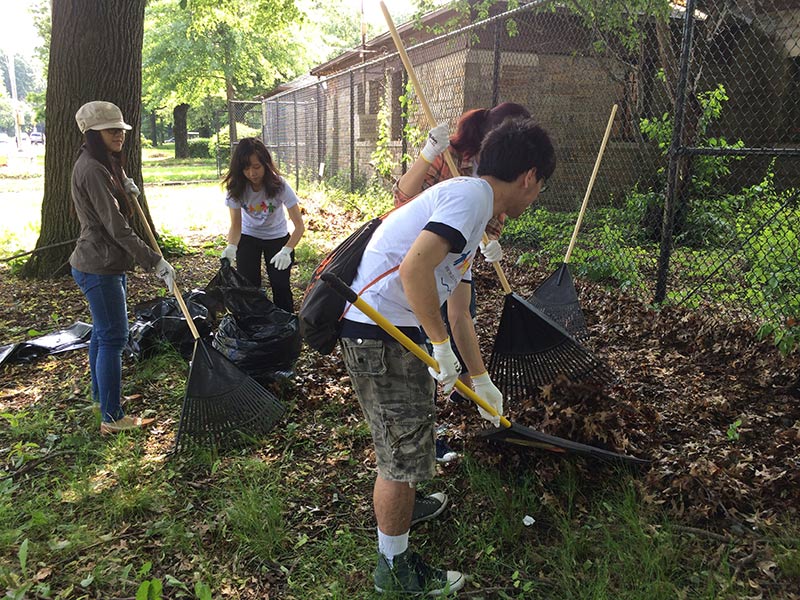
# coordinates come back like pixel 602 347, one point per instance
pixel 107 244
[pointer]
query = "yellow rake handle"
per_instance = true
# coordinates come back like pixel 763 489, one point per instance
pixel 175 291
pixel 431 121
pixel 381 321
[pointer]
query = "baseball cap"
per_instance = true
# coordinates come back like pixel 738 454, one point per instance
pixel 99 115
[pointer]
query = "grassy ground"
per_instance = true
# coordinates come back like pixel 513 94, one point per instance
pixel 88 517
pixel 159 165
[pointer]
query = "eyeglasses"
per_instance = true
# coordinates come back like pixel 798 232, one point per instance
pixel 543 187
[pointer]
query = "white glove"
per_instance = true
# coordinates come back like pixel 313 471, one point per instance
pixel 438 141
pixel 492 251
pixel 449 367
pixel 130 188
pixel 484 387
pixel 282 259
pixel 166 272
pixel 229 253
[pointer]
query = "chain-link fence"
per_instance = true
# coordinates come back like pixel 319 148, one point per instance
pixel 693 202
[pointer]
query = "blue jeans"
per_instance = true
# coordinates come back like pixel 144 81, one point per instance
pixel 107 302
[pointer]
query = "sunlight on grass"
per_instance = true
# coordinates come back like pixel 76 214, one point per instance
pixel 197 209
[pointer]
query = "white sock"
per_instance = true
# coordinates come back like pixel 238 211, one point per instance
pixel 392 545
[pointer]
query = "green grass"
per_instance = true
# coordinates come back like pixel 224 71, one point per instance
pixel 159 165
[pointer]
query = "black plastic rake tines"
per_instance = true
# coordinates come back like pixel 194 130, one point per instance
pixel 223 406
pixel 520 435
pixel 531 350
pixel 556 297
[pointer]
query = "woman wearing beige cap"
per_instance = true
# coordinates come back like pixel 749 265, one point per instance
pixel 106 249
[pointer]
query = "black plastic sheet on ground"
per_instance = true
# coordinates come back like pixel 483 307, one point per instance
pixel 260 338
pixel 73 337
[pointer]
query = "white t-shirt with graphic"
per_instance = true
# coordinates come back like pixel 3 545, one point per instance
pixel 263 217
pixel 463 204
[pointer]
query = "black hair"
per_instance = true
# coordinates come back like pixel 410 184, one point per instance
pixel 516 146
pixel 114 162
pixel 235 181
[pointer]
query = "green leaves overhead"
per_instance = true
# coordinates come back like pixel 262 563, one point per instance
pixel 225 48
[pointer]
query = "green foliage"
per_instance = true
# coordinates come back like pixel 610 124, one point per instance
pixel 413 135
pixel 172 245
pixel 618 23
pixel 382 158
pixel 200 147
pixel 223 138
pixel 237 48
pixel 733 430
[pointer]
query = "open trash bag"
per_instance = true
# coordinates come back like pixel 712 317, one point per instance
pixel 260 338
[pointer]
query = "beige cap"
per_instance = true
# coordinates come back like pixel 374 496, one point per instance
pixel 99 115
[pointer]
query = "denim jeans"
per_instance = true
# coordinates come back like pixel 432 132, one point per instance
pixel 106 295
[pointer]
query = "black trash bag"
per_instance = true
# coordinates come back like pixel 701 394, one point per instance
pixel 260 338
pixel 74 337
pixel 162 320
pixel 236 294
pixel 265 348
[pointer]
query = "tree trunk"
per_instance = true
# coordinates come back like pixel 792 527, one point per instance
pixel 153 128
pixel 179 130
pixel 95 54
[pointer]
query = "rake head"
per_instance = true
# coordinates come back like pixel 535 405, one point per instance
pixel 531 350
pixel 556 297
pixel 224 406
pixel 519 435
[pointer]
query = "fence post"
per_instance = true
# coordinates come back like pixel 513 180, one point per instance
pixel 296 146
pixel 352 134
pixel 215 123
pixel 668 220
pixel 403 125
pixel 320 131
pixel 496 61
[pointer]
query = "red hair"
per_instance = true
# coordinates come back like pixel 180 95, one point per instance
pixel 474 124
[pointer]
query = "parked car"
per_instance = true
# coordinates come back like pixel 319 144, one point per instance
pixel 37 137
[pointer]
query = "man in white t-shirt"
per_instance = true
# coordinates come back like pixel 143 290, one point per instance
pixel 433 239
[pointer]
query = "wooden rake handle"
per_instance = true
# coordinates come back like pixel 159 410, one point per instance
pixel 349 294
pixel 431 121
pixel 591 184
pixel 175 291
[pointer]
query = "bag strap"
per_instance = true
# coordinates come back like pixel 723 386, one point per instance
pixel 370 284
pixel 379 277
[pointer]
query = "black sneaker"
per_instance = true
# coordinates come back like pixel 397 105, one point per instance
pixel 457 397
pixel 444 453
pixel 428 507
pixel 410 575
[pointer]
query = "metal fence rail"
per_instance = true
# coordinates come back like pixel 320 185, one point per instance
pixel 693 201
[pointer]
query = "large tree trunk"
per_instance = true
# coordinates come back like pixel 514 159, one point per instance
pixel 179 130
pixel 95 54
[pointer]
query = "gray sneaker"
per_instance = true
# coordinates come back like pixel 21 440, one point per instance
pixel 428 507
pixel 410 575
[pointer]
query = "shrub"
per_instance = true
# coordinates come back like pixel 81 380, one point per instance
pixel 198 148
pixel 223 137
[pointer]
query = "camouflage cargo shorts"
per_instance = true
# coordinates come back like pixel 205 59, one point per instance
pixel 397 396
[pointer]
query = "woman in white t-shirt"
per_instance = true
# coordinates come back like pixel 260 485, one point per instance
pixel 257 197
